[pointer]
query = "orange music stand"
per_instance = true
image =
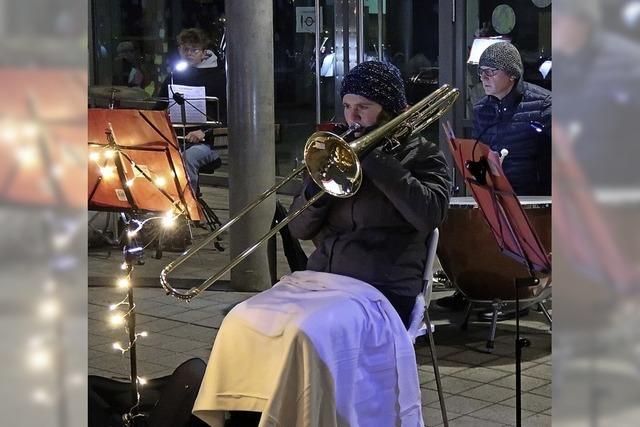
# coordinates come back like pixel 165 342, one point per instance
pixel 135 164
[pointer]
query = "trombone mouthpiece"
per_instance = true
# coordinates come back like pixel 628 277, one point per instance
pixel 353 127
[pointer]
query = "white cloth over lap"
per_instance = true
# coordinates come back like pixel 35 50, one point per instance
pixel 316 350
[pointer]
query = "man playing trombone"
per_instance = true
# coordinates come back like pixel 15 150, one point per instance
pixel 322 346
pixel 378 235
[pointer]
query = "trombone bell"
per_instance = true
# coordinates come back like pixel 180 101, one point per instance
pixel 333 164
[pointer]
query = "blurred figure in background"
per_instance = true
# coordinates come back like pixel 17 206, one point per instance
pixel 600 78
pixel 596 201
pixel 129 65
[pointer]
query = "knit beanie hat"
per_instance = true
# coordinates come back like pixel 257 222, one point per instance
pixel 379 82
pixel 502 56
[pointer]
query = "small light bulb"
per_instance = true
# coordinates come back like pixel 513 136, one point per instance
pixel 107 172
pixel 144 333
pixel 26 156
pixel 94 156
pixel 49 309
pixel 39 360
pixel 9 134
pixel 142 380
pixel 168 220
pixel 124 266
pixel 131 234
pixel 160 181
pixel 117 346
pixel 123 282
pixel 129 182
pixel 109 154
pixel 113 307
pixel 116 319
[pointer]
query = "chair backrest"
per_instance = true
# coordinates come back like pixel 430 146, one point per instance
pixel 417 327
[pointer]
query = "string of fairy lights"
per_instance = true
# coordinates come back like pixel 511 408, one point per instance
pixel 122 313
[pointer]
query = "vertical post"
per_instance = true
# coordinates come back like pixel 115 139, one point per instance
pixel 251 133
pixel 380 33
pixel 361 40
pixel 346 34
pixel 318 29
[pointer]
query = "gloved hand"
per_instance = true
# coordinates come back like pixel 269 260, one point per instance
pixel 310 187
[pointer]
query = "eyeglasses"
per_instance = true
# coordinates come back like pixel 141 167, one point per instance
pixel 487 72
pixel 187 49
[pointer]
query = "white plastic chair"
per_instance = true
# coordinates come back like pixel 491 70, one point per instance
pixel 421 325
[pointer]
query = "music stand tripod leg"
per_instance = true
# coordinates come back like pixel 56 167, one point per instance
pixel 212 221
pixel 520 343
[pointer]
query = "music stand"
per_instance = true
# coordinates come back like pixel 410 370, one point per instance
pixel 482 172
pixel 135 166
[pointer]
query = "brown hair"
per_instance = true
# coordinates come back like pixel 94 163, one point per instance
pixel 193 36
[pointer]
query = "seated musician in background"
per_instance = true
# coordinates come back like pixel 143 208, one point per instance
pixel 322 346
pixel 202 70
pixel 378 236
pixel 516 116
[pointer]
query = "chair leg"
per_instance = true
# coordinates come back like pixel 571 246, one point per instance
pixel 465 322
pixel 544 311
pixel 436 371
pixel 492 331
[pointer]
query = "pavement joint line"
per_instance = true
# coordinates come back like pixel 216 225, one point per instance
pixel 165 318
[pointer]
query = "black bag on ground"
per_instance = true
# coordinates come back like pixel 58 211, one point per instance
pixel 166 401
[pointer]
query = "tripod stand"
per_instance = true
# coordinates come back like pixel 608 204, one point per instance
pixel 510 226
pixel 211 219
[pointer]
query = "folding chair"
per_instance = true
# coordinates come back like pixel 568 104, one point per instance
pixel 421 325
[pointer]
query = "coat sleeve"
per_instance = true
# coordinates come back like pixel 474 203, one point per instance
pixel 545 116
pixel 306 225
pixel 421 193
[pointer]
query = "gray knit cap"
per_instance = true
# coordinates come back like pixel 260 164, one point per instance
pixel 502 56
pixel 380 82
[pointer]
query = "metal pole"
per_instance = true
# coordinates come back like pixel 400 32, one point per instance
pixel 360 31
pixel 250 95
pixel 380 33
pixel 318 30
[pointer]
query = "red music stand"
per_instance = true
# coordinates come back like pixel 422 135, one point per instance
pixel 482 172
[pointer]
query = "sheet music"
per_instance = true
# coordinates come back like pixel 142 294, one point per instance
pixel 195 100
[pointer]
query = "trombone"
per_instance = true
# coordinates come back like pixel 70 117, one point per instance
pixel 334 166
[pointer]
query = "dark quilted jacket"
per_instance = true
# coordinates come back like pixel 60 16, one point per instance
pixel 378 235
pixel 521 123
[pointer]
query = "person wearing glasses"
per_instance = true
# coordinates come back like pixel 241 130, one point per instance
pixel 202 69
pixel 516 116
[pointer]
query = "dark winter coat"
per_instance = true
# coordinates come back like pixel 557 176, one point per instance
pixel 521 123
pixel 379 234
